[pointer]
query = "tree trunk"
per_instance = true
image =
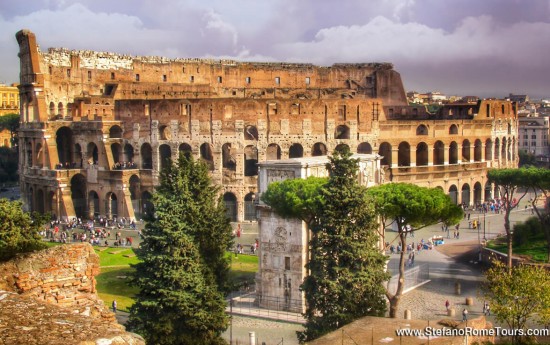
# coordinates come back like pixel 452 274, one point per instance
pixel 394 300
pixel 508 236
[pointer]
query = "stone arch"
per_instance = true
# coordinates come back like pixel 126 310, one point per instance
pixel 146 154
pixel 273 152
pixel 52 109
pixel 250 132
pixel 92 153
pixel 60 109
pixel 65 143
pixel 116 150
pixel 497 148
pixel 341 148
pixel 466 150
pixel 478 147
pixel 319 149
pixel 477 193
pixel 39 155
pixel 404 154
pixel 228 159
pixel 134 188
pixel 453 153
pixel 488 150
pixel 295 151
pixel 186 149
pixel 93 204
pixel 250 206
pixel 207 156
pixel 128 153
pixel 250 161
pixel 364 148
pixel 466 194
pixel 165 156
pixel 115 132
pixel 453 129
pixel 39 200
pixel 230 201
pixel 422 130
pixel 78 195
pixel 111 205
pixel 164 132
pixel 421 154
pixel 453 194
pixel 385 150
pixel 439 153
pixel 342 132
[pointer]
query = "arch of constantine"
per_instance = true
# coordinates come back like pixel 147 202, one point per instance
pixel 96 127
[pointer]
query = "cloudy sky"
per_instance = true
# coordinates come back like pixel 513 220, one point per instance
pixel 487 48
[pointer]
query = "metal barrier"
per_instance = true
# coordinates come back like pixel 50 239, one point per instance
pixel 268 307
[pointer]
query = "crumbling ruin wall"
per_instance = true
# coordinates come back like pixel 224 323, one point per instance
pixel 49 297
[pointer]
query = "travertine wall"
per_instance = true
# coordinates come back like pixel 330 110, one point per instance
pixel 89 111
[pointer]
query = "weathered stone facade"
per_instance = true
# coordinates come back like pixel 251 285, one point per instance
pixel 83 112
pixel 49 297
pixel 284 243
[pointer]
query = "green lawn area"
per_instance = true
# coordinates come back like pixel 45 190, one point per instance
pixel 535 249
pixel 113 281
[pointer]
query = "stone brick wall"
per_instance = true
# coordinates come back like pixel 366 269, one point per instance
pixel 49 297
pixel 63 276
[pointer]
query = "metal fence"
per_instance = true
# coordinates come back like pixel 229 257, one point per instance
pixel 269 307
pixel 414 277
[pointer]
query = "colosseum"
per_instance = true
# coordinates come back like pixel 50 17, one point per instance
pixel 96 127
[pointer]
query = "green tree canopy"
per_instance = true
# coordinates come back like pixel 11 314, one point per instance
pixel 405 203
pixel 11 123
pixel 183 268
pixel 296 198
pixel 18 231
pixel 346 268
pixel 523 295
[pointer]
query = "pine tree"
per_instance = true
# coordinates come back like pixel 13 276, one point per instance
pixel 346 267
pixel 183 266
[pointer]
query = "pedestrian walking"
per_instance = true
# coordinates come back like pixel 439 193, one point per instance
pixel 114 306
pixel 465 314
pixel 447 304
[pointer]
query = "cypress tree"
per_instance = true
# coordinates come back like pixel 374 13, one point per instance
pixel 183 268
pixel 347 270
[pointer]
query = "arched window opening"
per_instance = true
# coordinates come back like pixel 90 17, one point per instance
pixel 342 132
pixel 229 161
pixel 92 154
pixel 466 150
pixel 466 195
pixel 129 155
pixel 273 152
pixel 364 148
pixel 250 133
pixel 453 153
pixel 250 207
pixel 477 150
pixel 295 151
pixel 78 195
pixel 453 129
pixel 116 150
pixel 341 148
pixel 250 161
pixel 78 155
pixel 165 154
pixel 422 130
pixel 421 154
pixel 477 194
pixel 186 149
pixel 439 153
pixel 206 155
pixel 319 149
pixel 65 143
pixel 115 132
pixel 146 156
pixel 453 194
pixel 488 150
pixel 404 154
pixel 231 206
pixel 385 151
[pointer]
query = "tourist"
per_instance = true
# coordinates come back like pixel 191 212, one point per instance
pixel 447 304
pixel 465 314
pixel 114 306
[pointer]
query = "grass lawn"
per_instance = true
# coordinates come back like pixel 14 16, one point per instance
pixel 535 250
pixel 112 283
